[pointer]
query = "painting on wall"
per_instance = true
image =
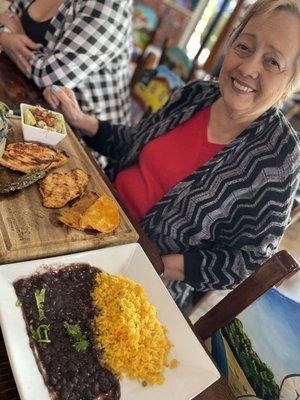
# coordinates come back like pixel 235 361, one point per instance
pixel 259 351
pixel 189 4
pixel 155 87
pixel 144 23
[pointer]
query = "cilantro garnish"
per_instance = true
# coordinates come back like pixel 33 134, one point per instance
pixel 40 334
pixel 18 303
pixel 81 342
pixel 40 299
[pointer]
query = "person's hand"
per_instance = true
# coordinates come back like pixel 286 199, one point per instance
pixel 64 99
pixel 19 48
pixel 12 22
pixel 174 267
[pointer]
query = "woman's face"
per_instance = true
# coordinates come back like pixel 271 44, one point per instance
pixel 260 63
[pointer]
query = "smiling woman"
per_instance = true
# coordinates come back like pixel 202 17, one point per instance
pixel 265 8
pixel 212 175
pixel 261 65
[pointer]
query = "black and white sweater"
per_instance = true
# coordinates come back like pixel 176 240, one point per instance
pixel 228 216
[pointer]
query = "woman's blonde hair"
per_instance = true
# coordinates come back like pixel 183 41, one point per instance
pixel 264 7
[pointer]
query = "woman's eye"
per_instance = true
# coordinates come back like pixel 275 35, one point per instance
pixel 273 64
pixel 243 47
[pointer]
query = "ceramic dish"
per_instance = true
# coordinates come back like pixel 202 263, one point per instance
pixel 40 135
pixel 195 372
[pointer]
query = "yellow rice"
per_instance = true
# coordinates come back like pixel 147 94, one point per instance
pixel 134 341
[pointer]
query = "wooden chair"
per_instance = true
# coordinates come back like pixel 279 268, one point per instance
pixel 240 329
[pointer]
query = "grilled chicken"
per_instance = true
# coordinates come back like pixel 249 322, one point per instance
pixel 58 188
pixel 24 157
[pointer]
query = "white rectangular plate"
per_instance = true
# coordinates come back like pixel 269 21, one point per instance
pixel 193 375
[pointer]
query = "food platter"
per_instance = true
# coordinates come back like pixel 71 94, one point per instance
pixel 195 372
pixel 36 232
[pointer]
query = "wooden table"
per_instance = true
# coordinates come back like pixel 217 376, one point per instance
pixel 14 89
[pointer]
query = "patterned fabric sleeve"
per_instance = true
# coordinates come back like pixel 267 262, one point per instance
pixel 221 268
pixel 91 40
pixel 241 227
pixel 227 218
pixel 253 238
pixel 17 7
pixel 237 248
pixel 119 138
pixel 231 259
pixel 122 144
pixel 117 141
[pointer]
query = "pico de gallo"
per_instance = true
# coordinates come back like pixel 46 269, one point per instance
pixel 45 119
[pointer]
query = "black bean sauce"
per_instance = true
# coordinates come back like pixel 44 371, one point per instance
pixel 68 374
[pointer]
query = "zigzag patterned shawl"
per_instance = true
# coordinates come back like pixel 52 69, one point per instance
pixel 229 215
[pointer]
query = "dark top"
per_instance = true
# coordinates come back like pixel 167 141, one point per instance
pixel 34 29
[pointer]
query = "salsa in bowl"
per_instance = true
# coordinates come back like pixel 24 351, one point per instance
pixel 42 125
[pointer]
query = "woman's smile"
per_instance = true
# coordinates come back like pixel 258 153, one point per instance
pixel 241 87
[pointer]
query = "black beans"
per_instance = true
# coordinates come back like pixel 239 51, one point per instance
pixel 71 375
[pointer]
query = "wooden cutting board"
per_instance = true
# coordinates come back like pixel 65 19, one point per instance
pixel 28 230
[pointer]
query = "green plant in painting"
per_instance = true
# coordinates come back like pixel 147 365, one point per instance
pixel 258 373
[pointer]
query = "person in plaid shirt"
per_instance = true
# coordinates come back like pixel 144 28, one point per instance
pixel 84 45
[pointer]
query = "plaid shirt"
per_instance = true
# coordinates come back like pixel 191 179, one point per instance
pixel 88 50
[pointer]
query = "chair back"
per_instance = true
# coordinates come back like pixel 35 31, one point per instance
pixel 253 333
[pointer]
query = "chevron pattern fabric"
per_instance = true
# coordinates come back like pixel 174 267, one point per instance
pixel 228 216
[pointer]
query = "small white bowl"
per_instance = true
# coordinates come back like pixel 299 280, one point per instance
pixel 40 135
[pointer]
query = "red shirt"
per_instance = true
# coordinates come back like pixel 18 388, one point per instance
pixel 164 162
